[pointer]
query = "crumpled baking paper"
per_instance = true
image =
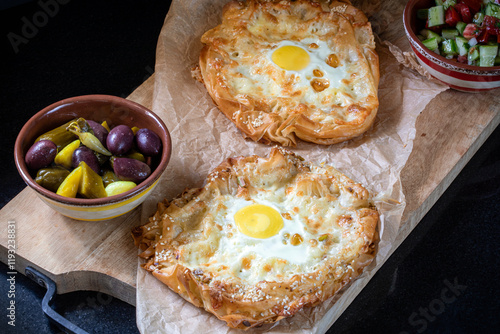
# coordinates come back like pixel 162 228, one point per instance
pixel 203 137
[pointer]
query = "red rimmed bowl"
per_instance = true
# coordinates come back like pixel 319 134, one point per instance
pixel 115 111
pixel 458 76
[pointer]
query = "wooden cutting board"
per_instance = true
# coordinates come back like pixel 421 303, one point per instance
pixel 101 256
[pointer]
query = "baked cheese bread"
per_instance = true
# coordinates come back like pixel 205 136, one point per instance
pixel 286 69
pixel 264 238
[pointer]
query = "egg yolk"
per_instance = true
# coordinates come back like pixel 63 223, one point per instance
pixel 258 221
pixel 291 58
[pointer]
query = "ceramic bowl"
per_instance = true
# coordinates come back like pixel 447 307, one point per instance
pixel 115 111
pixel 458 76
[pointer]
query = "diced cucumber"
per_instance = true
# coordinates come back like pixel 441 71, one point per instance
pixel 431 43
pixel 431 34
pixel 487 54
pixel 449 33
pixel 439 2
pixel 492 9
pixel 486 62
pixel 462 45
pixel 422 14
pixel 473 55
pixel 436 16
pixel 478 18
pixel 450 47
pixel 461 27
pixel 448 3
pixel 489 50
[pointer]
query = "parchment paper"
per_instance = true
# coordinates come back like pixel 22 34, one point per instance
pixel 203 137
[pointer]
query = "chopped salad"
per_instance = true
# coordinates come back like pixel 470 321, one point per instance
pixel 467 31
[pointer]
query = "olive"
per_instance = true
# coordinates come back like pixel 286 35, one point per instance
pixel 148 142
pixel 84 153
pixel 99 131
pixel 41 154
pixel 127 169
pixel 120 139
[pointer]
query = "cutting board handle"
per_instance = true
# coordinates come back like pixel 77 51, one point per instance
pixel 61 322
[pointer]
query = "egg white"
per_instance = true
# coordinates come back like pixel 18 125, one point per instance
pixel 317 60
pixel 234 245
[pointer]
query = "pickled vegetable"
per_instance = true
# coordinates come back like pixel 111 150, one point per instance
pixel 131 170
pixel 109 177
pixel 88 148
pixel 101 158
pixel 106 126
pixel 60 136
pixel 69 187
pixel 91 185
pixel 119 187
pixel 120 139
pixel 148 142
pixel 84 153
pixel 135 129
pixel 87 138
pixel 51 177
pixel 40 154
pixel 99 131
pixel 64 157
pixel 137 156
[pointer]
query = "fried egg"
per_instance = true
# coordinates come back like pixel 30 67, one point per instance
pixel 262 239
pixel 258 230
pixel 313 65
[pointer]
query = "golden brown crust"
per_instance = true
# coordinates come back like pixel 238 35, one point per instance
pixel 184 243
pixel 267 103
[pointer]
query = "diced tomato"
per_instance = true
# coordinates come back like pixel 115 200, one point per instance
pixel 492 25
pixel 471 30
pixel 490 20
pixel 452 16
pixel 462 59
pixel 436 29
pixel 483 36
pixel 474 5
pixel 464 11
pixel 493 30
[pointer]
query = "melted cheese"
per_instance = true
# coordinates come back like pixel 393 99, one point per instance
pixel 311 204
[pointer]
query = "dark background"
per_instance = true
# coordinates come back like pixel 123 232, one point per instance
pixel 442 279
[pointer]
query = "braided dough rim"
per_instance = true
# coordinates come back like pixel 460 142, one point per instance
pixel 216 298
pixel 271 127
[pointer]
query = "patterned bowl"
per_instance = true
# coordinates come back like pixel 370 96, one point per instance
pixel 115 111
pixel 458 76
